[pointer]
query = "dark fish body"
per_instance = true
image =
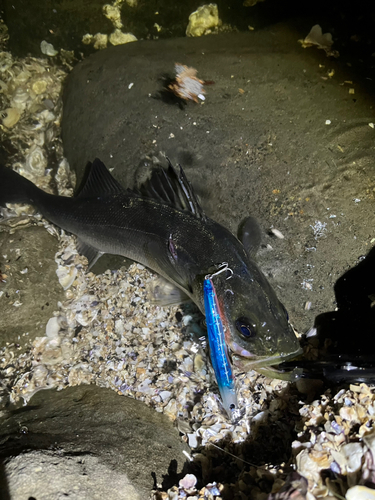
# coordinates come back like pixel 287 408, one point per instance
pixel 162 226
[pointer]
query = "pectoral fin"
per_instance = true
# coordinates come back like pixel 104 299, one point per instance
pixel 91 253
pixel 163 293
pixel 250 235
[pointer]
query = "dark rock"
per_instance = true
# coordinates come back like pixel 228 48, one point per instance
pixel 87 442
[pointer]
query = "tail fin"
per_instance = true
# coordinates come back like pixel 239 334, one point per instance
pixel 16 189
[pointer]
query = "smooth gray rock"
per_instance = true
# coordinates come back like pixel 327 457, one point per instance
pixel 87 442
pixel 46 476
pixel 258 145
pixel 27 260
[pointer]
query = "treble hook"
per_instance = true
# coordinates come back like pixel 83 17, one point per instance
pixel 222 267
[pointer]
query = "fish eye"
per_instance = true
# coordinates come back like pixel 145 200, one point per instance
pixel 246 327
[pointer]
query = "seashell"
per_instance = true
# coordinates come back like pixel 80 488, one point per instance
pixel 353 452
pixel 188 365
pixel 165 395
pixel 65 179
pixel 119 327
pixel 52 327
pixel 308 467
pixel 20 98
pixel 173 494
pixel 188 482
pixel 350 414
pixel 39 86
pixel 22 78
pixel 192 440
pixel 370 442
pixel 360 493
pixel 40 374
pixel 48 49
pixel 51 354
pixel 36 163
pixel 171 409
pixel 12 117
pixel 66 276
pixel 212 489
pixel 46 116
pixel 84 318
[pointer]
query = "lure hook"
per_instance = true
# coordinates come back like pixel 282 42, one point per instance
pixel 222 267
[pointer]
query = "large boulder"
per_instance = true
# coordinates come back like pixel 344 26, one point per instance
pixel 280 136
pixel 87 442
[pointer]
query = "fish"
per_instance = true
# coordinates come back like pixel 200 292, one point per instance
pixel 162 225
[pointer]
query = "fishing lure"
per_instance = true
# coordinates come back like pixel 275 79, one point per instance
pixel 218 349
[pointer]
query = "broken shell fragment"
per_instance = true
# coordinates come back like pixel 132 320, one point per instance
pixel 48 49
pixel 36 163
pixel 66 276
pixel 52 327
pixel 360 493
pixel 188 482
pixel 12 116
pixel 39 86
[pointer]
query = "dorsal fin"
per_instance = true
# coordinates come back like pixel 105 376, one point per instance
pixel 168 186
pixel 99 182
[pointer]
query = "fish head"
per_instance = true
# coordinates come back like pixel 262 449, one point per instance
pixel 257 328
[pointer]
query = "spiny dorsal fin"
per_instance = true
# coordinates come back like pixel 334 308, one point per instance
pixel 99 182
pixel 168 186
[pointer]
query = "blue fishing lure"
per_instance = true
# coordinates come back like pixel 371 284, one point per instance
pixel 218 349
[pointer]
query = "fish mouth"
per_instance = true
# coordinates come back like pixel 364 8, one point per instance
pixel 246 361
pixel 267 365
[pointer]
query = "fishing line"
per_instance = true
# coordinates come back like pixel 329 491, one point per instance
pixel 234 456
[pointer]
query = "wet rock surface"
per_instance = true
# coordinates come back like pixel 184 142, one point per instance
pixel 280 136
pixel 85 442
pixel 27 301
